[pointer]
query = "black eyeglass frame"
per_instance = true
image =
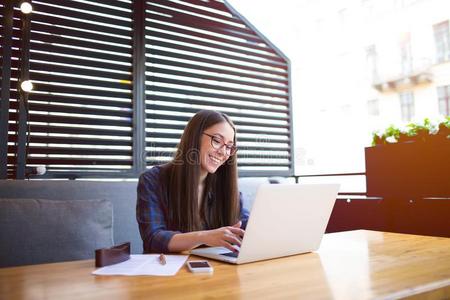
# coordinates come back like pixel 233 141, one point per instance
pixel 229 150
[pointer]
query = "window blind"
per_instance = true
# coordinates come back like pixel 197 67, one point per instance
pixel 203 55
pixel 82 112
pixel 80 109
pixel 10 25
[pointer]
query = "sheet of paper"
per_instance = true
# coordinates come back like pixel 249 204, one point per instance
pixel 145 264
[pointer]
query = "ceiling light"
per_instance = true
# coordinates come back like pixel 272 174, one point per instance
pixel 26 7
pixel 26 86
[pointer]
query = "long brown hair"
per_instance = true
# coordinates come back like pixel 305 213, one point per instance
pixel 184 171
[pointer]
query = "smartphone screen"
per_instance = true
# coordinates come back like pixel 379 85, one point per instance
pixel 199 264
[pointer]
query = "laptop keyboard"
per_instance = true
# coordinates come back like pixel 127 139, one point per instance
pixel 231 254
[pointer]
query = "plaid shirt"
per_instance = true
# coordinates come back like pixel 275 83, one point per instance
pixel 152 213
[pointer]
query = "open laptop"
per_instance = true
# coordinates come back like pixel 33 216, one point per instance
pixel 285 219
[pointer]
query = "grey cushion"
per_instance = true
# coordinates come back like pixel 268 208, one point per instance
pixel 121 194
pixel 39 231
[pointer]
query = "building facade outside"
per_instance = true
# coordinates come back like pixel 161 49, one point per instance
pixel 357 66
pixel 411 76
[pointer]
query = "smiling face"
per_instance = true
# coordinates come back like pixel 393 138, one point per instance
pixel 210 158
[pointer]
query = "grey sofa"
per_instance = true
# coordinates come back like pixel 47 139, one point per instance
pixel 87 219
pixel 40 231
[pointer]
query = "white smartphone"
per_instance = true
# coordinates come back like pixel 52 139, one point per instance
pixel 199 266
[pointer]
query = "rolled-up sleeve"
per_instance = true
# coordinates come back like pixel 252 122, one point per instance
pixel 244 213
pixel 151 214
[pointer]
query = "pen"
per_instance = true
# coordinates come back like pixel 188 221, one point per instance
pixel 162 259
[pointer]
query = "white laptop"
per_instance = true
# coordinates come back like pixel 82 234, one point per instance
pixel 285 219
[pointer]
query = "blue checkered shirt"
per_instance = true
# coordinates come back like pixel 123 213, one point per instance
pixel 152 213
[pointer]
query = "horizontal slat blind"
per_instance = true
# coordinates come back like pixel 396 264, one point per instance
pixel 15 54
pixel 1 33
pixel 201 55
pixel 2 16
pixel 80 111
pixel 198 55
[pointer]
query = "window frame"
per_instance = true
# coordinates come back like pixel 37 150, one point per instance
pixel 407 106
pixel 443 93
pixel 442 41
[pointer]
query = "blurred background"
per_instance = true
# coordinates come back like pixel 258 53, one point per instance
pixel 358 66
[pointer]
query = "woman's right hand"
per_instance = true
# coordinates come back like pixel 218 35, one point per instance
pixel 225 236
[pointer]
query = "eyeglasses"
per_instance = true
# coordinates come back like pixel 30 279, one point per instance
pixel 217 143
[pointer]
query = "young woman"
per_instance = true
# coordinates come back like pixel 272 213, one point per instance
pixel 194 200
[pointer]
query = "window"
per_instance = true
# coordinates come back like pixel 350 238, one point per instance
pixel 442 40
pixel 367 7
pixel 319 23
pixel 406 53
pixel 407 105
pixel 444 100
pixel 115 82
pixel 371 59
pixel 373 107
pixel 343 19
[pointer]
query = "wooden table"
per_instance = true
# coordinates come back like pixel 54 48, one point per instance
pixel 349 265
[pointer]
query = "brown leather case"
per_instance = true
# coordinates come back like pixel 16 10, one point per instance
pixel 109 256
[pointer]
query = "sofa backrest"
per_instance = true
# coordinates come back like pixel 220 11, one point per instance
pixel 121 194
pixel 34 231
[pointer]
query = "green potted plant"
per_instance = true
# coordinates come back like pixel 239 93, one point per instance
pixel 444 128
pixel 419 132
pixel 389 136
pixel 392 134
pixel 406 136
pixel 378 138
